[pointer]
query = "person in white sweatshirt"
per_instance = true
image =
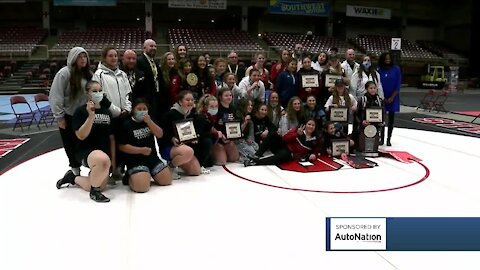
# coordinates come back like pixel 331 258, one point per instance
pixel 252 87
pixel 365 73
pixel 117 91
pixel 114 83
pixel 67 93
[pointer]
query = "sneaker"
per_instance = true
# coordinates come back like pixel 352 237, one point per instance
pixel 68 178
pixel 175 175
pixel 205 171
pixel 96 195
pixel 249 162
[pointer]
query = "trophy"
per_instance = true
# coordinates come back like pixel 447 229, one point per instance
pixel 369 141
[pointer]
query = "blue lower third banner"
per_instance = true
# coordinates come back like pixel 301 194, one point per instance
pixel 403 234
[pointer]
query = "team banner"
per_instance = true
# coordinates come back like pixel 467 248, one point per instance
pixel 205 4
pixel 85 2
pixel 304 7
pixel 403 234
pixel 369 12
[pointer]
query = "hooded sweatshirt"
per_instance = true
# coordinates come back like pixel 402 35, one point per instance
pixel 116 86
pixel 59 97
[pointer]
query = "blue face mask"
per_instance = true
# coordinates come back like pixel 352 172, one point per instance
pixel 139 115
pixel 97 97
pixel 213 111
pixel 366 64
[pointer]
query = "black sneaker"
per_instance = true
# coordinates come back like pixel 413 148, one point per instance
pixel 96 195
pixel 68 178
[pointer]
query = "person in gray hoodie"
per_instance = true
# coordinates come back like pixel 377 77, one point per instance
pixel 116 86
pixel 67 93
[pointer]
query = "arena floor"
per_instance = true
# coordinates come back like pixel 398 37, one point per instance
pixel 221 221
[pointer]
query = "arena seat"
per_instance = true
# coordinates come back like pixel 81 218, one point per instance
pixel 95 39
pixel 442 50
pixel 213 41
pixel 315 45
pixel 375 45
pixel 19 41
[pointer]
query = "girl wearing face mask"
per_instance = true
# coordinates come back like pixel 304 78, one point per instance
pixel 302 143
pixel 93 127
pixel 176 153
pixel 246 145
pixel 365 73
pixel 274 108
pixel 138 143
pixel 224 150
pixel 293 118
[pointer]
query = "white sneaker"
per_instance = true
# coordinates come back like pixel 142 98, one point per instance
pixel 175 175
pixel 205 171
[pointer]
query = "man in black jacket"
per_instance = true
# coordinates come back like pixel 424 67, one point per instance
pixel 156 92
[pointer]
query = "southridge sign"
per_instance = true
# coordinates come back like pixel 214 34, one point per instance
pixel 369 12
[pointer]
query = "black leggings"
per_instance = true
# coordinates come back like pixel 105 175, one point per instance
pixel 203 151
pixel 272 142
pixel 280 156
pixel 70 142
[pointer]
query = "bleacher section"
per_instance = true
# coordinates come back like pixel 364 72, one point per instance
pixel 19 41
pixel 94 40
pixel 315 45
pixel 442 50
pixel 213 41
pixel 375 45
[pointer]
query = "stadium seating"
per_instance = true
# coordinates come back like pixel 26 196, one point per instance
pixel 95 39
pixel 315 45
pixel 442 50
pixel 212 41
pixel 375 45
pixel 19 41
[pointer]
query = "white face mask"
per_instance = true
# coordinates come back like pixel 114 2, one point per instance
pixel 97 97
pixel 139 115
pixel 213 111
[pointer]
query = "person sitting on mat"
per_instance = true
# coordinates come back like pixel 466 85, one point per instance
pixel 137 141
pixel 265 132
pixel 93 126
pixel 334 131
pixel 301 143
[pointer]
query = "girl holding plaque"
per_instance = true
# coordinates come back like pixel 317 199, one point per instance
pixel 138 143
pixel 179 125
pixel 341 98
pixel 225 150
pixel 371 100
pixel 334 131
pixel 301 143
pixel 329 76
pixel 309 80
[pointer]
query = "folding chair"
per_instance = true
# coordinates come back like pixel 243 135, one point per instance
pixel 426 103
pixel 23 116
pixel 45 111
pixel 440 100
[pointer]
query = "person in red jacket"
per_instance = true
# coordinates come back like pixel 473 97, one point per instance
pixel 301 143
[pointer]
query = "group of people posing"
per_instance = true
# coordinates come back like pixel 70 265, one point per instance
pixel 117 116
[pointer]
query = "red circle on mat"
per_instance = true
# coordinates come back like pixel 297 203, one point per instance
pixel 427 174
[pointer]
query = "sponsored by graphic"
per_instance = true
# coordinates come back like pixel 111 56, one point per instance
pixel 356 234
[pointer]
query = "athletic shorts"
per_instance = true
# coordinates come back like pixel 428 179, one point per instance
pixel 153 166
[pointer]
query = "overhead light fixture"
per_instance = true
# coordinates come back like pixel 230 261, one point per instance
pixel 212 21
pixel 179 19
